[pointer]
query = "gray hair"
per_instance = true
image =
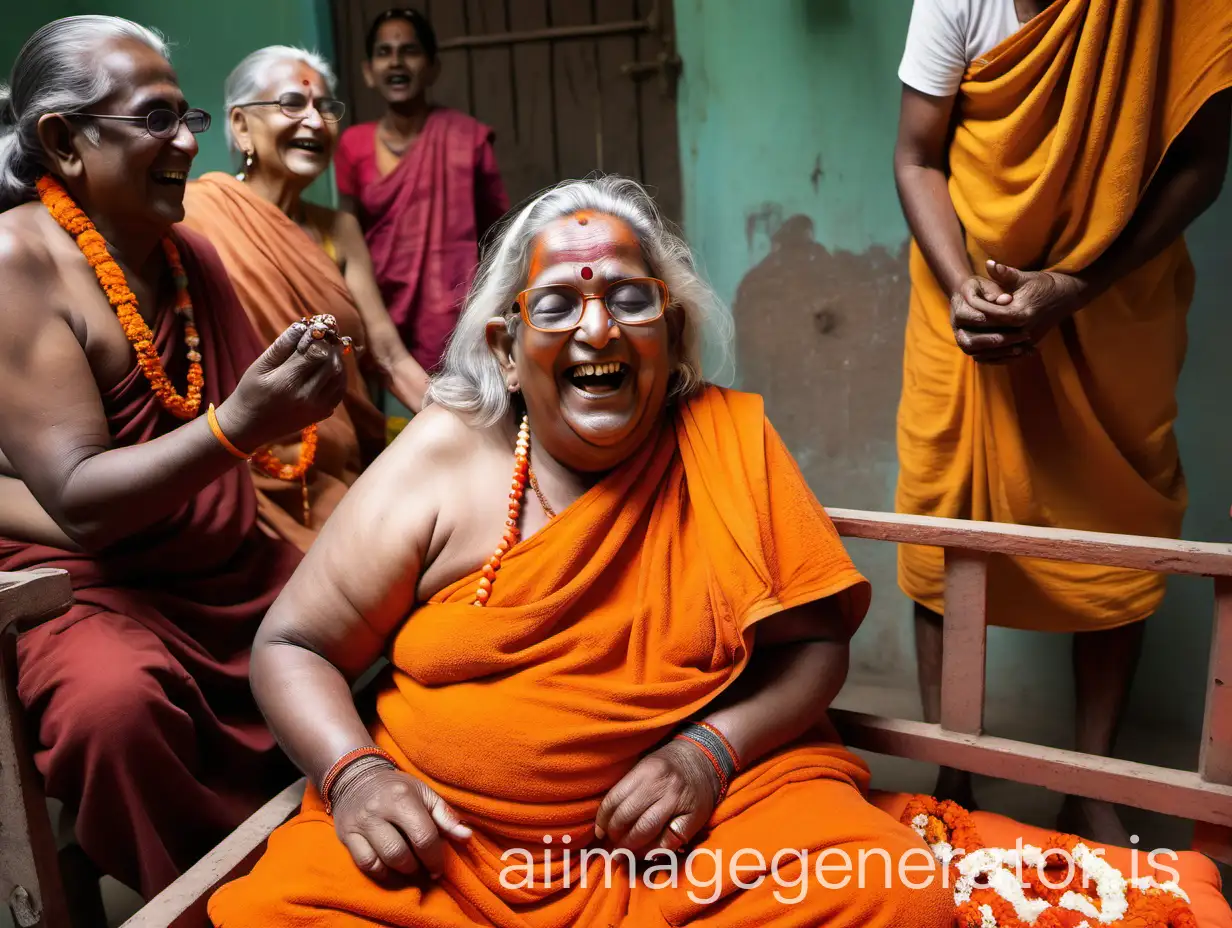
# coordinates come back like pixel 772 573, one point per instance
pixel 246 82
pixel 471 383
pixel 55 72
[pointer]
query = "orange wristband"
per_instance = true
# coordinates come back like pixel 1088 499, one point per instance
pixel 212 418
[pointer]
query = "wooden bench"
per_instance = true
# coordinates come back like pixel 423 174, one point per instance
pixel 1203 795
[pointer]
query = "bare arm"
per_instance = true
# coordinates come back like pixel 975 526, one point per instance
pixel 350 594
pixel 400 373
pixel 23 519
pixel 53 425
pixel 54 429
pixel 798 666
pixel 1188 181
pixel 921 174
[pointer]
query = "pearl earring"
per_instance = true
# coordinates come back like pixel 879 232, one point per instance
pixel 243 175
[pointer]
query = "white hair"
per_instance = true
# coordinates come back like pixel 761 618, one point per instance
pixel 247 81
pixel 56 71
pixel 470 382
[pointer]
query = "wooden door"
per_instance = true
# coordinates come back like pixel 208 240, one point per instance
pixel 569 86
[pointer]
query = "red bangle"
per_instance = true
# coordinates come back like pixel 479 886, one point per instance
pixel 331 775
pixel 714 762
pixel 727 744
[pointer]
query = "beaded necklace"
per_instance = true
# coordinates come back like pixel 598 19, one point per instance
pixel 517 489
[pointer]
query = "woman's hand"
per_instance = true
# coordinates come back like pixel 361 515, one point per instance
pixel 299 380
pixel 391 821
pixel 663 801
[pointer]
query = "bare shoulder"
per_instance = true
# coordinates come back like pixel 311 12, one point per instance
pixel 434 455
pixel 413 496
pixel 32 247
pixel 25 248
pixel 439 440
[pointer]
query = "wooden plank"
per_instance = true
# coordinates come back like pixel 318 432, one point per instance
pixel 1215 761
pixel 492 77
pixel 620 144
pixel 660 154
pixel 1160 789
pixel 531 163
pixel 552 34
pixel 966 632
pixel 29 597
pixel 1165 555
pixel 576 91
pixel 453 87
pixel 183 902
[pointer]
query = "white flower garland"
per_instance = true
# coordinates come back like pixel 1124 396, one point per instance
pixel 998 867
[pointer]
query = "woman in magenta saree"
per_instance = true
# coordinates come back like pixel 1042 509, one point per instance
pixel 424 184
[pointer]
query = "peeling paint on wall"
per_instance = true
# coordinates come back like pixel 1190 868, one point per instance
pixel 820 335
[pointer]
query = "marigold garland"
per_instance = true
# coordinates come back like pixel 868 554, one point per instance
pixel 122 299
pixel 71 218
pixel 983 888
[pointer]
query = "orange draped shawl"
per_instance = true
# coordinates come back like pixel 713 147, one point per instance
pixel 282 275
pixel 606 630
pixel 1060 129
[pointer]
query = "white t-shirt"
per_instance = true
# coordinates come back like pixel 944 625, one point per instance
pixel 945 36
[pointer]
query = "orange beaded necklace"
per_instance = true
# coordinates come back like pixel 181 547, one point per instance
pixel 517 489
pixel 115 285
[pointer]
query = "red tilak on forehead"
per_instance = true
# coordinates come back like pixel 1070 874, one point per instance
pixel 587 273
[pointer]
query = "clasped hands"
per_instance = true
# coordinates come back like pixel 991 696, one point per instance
pixel 1003 316
pixel 390 821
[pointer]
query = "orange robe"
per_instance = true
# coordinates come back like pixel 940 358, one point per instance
pixel 282 275
pixel 1060 129
pixel 607 629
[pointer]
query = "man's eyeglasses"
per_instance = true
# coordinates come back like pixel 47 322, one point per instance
pixel 161 124
pixel 296 105
pixel 559 308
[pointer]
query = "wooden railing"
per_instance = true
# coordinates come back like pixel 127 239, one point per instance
pixel 1204 795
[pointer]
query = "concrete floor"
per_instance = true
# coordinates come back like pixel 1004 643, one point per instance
pixel 1024 803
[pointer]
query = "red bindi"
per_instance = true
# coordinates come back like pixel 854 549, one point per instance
pixel 305 83
pixel 587 273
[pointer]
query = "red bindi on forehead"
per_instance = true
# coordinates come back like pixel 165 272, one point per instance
pixel 584 238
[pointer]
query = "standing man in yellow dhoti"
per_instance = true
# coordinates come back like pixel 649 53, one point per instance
pixel 1049 158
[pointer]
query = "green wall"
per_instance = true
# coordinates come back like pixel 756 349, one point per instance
pixel 207 40
pixel 787 118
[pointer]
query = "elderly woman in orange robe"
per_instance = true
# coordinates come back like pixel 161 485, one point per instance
pixel 288 259
pixel 627 617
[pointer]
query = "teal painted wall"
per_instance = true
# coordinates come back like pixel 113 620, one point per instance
pixel 787 118
pixel 207 40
